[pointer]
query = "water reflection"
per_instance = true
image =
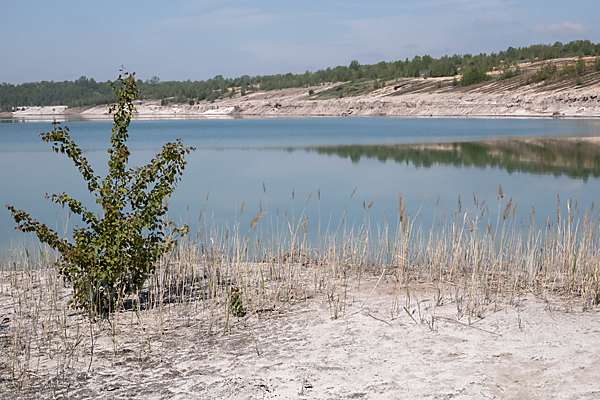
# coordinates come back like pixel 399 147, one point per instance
pixel 577 158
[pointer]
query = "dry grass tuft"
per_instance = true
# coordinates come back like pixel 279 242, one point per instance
pixel 465 258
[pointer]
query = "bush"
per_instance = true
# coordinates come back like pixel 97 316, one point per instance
pixel 473 75
pixel 115 253
pixel 597 64
pixel 546 72
pixel 509 72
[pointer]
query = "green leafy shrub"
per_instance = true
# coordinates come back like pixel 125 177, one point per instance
pixel 473 75
pixel 115 253
pixel 597 64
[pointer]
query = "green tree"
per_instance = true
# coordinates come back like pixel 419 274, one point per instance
pixel 473 75
pixel 114 254
pixel 580 67
pixel 232 93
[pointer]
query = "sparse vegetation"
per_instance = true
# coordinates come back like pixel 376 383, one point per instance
pixel 551 71
pixel 509 72
pixel 547 71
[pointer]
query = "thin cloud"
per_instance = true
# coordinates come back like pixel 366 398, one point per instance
pixel 293 54
pixel 472 4
pixel 231 17
pixel 487 22
pixel 564 28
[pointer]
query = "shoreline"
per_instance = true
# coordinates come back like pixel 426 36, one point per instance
pixel 409 98
pixel 190 117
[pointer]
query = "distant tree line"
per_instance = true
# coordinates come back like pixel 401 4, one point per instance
pixel 84 91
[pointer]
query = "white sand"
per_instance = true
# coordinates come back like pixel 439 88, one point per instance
pixel 529 351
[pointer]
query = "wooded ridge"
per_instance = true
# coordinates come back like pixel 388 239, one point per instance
pixel 472 69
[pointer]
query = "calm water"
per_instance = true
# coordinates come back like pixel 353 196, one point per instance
pixel 374 158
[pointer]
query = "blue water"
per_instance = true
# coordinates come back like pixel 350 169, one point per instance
pixel 235 157
pixel 296 132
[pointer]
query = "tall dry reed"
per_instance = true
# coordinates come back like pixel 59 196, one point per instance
pixel 473 257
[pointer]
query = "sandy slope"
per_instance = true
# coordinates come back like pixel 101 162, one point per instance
pixel 295 103
pixel 410 97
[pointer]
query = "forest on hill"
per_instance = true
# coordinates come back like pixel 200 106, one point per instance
pixel 87 92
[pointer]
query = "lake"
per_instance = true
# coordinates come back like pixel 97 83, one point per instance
pixel 355 168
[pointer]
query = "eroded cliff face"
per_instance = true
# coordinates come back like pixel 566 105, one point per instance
pixel 584 103
pixel 565 96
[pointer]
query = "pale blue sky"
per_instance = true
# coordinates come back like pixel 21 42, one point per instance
pixel 198 39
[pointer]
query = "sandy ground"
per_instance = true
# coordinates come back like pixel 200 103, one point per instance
pixel 533 349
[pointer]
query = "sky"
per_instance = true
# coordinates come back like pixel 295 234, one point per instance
pixel 199 39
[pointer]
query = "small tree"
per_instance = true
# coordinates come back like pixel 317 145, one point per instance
pixel 473 75
pixel 580 67
pixel 232 93
pixel 118 249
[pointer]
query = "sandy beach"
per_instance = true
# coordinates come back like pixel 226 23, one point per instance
pixel 531 347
